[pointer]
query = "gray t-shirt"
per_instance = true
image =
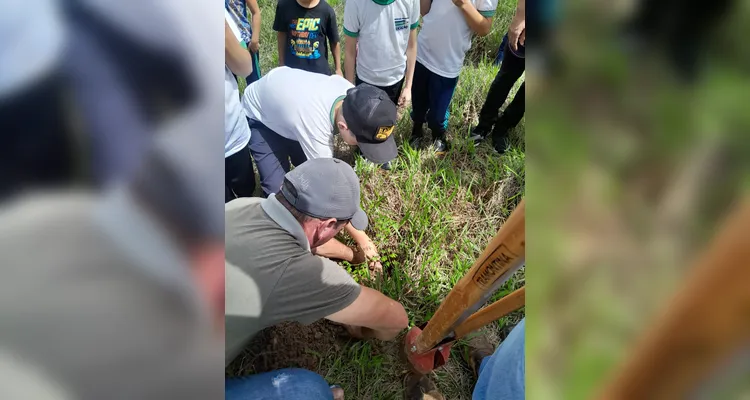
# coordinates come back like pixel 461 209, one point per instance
pixel 272 276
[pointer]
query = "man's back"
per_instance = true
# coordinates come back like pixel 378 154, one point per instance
pixel 270 259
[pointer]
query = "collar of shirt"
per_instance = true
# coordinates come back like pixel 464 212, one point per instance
pixel 153 252
pixel 285 219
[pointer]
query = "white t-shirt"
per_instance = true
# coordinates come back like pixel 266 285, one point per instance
pixel 236 129
pixel 446 37
pixel 382 30
pixel 297 105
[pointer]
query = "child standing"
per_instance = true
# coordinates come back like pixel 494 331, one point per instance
pixel 249 30
pixel 443 42
pixel 385 31
pixel 302 27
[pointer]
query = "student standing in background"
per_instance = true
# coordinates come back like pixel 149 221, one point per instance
pixel 303 27
pixel 443 42
pixel 239 177
pixel 511 70
pixel 249 30
pixel 386 32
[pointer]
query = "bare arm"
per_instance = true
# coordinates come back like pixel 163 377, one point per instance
pixel 478 23
pixel 411 60
pixel 335 250
pixel 373 315
pixel 425 6
pixel 517 29
pixel 281 44
pixel 336 52
pixel 239 61
pixel 254 24
pixel 350 60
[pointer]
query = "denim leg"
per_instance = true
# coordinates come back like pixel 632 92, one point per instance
pixel 270 167
pixel 502 375
pixel 441 94
pixel 283 384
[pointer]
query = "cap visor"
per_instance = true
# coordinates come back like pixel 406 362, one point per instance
pixel 380 153
pixel 359 220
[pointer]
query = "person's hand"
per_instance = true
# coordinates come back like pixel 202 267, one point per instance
pixel 517 28
pixel 255 45
pixel 522 39
pixel 368 252
pixel 405 98
pixel 340 73
pixel 461 3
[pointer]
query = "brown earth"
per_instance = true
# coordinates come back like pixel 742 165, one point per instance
pixel 290 344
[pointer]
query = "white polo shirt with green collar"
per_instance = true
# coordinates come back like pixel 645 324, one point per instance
pixel 382 30
pixel 446 37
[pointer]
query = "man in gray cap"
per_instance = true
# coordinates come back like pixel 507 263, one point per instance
pixel 270 243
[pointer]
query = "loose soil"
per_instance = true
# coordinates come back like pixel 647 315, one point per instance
pixel 290 344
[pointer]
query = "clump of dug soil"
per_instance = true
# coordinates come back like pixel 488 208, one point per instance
pixel 288 345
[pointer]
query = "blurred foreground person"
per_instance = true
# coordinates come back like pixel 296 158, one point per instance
pixel 511 69
pixel 271 241
pixel 36 133
pixel 501 375
pixel 119 295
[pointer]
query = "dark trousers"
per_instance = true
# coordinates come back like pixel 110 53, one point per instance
pixel 393 91
pixel 239 176
pixel 431 97
pixel 511 69
pixel 278 156
pixel 37 140
pixel 255 75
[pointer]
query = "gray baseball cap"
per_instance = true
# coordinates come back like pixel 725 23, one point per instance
pixel 325 188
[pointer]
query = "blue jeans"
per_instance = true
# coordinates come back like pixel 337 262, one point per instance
pixel 431 97
pixel 283 384
pixel 501 375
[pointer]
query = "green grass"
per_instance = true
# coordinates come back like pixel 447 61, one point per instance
pixel 430 217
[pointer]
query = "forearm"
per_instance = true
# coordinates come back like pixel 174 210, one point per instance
pixel 280 44
pixel 350 45
pixel 411 59
pixel 236 58
pixel 477 22
pixel 360 237
pixel 335 250
pixel 336 53
pixel 255 24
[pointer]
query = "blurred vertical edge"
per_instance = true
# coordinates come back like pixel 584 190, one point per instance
pixel 111 199
pixel 638 146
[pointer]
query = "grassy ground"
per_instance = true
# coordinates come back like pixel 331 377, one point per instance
pixel 430 218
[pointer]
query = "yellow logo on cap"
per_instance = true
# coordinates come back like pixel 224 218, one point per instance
pixel 384 132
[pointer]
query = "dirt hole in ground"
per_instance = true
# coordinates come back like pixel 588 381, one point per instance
pixel 288 345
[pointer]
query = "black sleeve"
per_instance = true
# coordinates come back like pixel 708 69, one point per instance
pixel 279 23
pixel 332 26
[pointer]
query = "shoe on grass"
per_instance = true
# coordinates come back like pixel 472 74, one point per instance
pixel 416 142
pixel 500 144
pixel 478 134
pixel 440 145
pixel 420 387
pixel 386 166
pixel 479 347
